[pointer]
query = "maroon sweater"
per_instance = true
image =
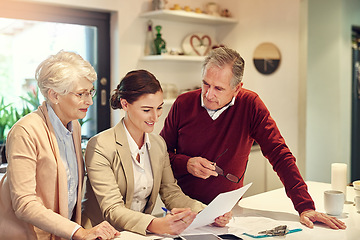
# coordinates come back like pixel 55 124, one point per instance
pixel 190 132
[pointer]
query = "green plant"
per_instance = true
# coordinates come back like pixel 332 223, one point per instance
pixel 9 115
pixel 5 115
pixel 15 115
pixel 82 121
pixel 32 98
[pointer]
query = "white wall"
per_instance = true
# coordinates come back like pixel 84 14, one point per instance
pixel 264 21
pixel 259 21
pixel 309 99
pixel 329 84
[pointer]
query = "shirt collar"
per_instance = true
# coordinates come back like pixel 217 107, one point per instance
pixel 59 128
pixel 231 103
pixel 134 150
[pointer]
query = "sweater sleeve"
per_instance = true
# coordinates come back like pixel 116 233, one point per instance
pixel 22 176
pixel 170 135
pixel 266 133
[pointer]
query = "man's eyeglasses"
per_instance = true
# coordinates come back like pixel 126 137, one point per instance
pixel 85 95
pixel 228 176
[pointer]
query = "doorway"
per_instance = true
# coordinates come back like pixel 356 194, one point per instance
pixel 355 111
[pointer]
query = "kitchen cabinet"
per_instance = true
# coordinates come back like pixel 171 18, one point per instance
pixel 259 171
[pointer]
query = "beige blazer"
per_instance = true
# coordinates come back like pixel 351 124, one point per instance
pixel 33 192
pixel 110 190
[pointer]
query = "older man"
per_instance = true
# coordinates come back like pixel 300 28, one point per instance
pixel 209 132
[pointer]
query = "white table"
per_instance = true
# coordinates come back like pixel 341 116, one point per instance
pixel 275 207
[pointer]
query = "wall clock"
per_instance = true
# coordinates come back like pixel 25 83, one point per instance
pixel 266 58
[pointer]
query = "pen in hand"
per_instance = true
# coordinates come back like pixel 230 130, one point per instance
pixel 168 211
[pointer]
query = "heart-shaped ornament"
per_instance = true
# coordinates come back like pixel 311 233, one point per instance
pixel 200 44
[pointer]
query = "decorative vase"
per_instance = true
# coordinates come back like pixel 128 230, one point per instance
pixel 160 44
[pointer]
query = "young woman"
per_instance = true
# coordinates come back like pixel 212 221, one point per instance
pixel 128 167
pixel 40 195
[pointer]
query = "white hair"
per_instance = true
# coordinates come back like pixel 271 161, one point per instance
pixel 60 71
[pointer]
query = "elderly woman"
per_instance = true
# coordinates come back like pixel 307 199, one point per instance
pixel 40 195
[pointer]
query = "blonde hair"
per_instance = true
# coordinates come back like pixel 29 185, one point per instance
pixel 60 71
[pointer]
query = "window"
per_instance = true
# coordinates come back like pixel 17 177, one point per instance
pixel 31 32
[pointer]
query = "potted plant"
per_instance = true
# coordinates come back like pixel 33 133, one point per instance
pixel 4 120
pixel 9 115
pixel 4 117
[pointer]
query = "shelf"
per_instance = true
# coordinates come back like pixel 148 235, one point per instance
pixel 181 15
pixel 173 58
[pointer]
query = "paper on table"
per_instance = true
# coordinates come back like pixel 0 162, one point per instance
pixel 222 204
pixel 253 225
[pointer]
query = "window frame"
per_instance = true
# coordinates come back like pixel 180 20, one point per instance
pixel 101 20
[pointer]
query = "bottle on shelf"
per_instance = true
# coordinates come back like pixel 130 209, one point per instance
pixel 160 44
pixel 149 41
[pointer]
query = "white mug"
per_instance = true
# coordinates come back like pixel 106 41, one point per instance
pixel 357 203
pixel 334 202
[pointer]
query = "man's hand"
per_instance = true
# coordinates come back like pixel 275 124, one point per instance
pixel 310 216
pixel 221 221
pixel 201 167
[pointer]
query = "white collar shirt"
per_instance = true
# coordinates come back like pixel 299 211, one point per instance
pixel 64 137
pixel 214 114
pixel 143 176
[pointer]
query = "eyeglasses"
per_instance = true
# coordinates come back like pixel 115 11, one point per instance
pixel 228 176
pixel 85 95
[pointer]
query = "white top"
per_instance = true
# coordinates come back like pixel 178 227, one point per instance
pixel 214 114
pixel 64 137
pixel 143 176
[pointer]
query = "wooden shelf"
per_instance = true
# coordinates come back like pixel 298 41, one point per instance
pixel 181 15
pixel 173 58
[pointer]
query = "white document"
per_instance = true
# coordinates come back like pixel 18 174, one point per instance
pixel 222 204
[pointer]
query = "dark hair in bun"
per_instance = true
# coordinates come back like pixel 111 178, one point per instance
pixel 133 86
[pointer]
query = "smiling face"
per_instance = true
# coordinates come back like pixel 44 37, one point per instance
pixel 143 113
pixel 71 106
pixel 216 89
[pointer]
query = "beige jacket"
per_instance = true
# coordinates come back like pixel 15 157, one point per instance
pixel 33 193
pixel 109 166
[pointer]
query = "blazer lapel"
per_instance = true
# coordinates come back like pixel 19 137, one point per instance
pixel 123 150
pixel 157 173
